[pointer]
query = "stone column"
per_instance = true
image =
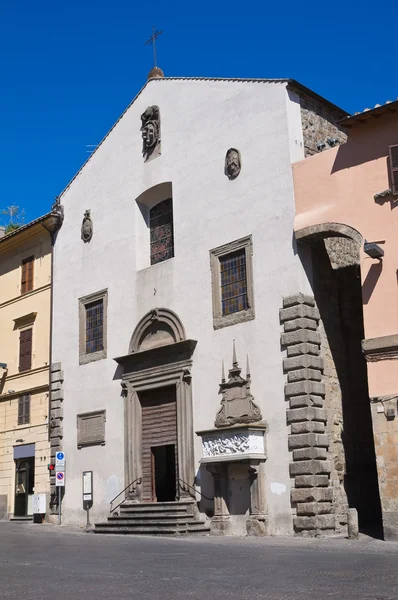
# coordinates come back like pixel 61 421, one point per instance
pixel 312 495
pixel 257 522
pixel 220 521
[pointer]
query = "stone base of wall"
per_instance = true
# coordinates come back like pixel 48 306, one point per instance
pixel 390 526
pixel 312 495
pixel 3 507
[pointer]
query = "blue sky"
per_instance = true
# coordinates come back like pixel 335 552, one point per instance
pixel 69 69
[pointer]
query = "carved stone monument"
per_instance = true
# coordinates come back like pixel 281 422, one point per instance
pixel 87 227
pixel 237 403
pixel 236 442
pixel 150 131
pixel 233 163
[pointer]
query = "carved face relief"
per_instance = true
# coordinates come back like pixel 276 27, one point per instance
pixel 232 163
pixel 150 131
pixel 87 227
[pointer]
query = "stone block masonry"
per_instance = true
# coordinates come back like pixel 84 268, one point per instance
pixel 56 420
pixel 312 494
pixel 320 123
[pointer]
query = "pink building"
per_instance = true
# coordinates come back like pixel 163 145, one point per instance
pixel 346 229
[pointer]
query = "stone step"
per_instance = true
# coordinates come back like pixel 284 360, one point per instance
pixel 160 505
pixel 153 517
pixel 201 529
pixel 147 523
pixel 142 508
pixel 21 519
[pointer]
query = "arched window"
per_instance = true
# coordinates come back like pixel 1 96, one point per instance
pixel 161 231
pixel 154 232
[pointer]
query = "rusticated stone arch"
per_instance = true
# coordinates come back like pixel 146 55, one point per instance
pixel 159 327
pixel 342 242
pixel 327 230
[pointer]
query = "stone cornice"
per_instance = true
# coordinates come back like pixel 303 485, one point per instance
pixel 22 297
pixel 30 390
pixel 381 348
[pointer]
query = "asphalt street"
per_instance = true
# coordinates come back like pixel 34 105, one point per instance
pixel 43 562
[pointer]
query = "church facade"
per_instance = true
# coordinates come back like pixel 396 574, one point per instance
pixel 185 335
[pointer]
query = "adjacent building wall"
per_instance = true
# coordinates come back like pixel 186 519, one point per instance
pixel 13 306
pixel 339 186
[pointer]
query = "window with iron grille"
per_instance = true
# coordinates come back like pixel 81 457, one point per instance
pixel 161 231
pixel 24 410
pixel 94 326
pixel 233 282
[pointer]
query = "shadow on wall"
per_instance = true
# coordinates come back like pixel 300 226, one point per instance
pixel 367 143
pixel 370 281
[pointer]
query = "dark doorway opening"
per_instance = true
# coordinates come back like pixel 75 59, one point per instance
pixel 159 444
pixel 164 473
pixel 24 486
pixel 338 294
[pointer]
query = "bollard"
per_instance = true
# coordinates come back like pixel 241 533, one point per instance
pixel 353 528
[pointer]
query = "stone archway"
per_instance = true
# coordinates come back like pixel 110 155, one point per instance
pixel 335 257
pixel 159 358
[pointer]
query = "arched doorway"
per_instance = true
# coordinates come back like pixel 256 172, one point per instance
pixel 336 281
pixel 158 409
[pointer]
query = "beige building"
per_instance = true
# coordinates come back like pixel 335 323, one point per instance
pixel 25 300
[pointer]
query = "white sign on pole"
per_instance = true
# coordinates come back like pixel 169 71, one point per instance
pixel 60 461
pixel 60 479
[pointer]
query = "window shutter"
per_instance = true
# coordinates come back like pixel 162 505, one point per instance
pixel 27 274
pixel 20 410
pixel 394 168
pixel 25 350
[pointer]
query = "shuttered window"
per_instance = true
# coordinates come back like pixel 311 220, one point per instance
pixel 24 410
pixel 27 274
pixel 394 168
pixel 25 350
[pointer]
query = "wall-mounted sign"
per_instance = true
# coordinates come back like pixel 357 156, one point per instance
pixel 87 489
pixel 60 479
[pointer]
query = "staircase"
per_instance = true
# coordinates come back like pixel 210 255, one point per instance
pixel 154 518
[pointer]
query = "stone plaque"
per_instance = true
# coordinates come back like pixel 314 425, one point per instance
pixel 91 428
pixel 235 444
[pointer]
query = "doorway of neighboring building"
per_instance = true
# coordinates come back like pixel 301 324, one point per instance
pixel 159 444
pixel 338 294
pixel 24 486
pixel 163 473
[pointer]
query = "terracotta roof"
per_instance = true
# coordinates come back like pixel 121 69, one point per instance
pixel 25 227
pixel 391 106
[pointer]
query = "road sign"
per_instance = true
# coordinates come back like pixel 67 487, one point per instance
pixel 60 479
pixel 60 461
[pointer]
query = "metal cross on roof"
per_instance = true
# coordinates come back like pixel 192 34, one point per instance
pixel 152 40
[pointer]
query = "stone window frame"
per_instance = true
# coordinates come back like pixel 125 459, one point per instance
pixel 89 415
pixel 87 357
pixel 220 320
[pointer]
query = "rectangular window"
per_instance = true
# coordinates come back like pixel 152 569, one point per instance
pixel 232 283
pixel 95 326
pixel 25 350
pixel 161 231
pixel 394 169
pixel 24 410
pixel 27 274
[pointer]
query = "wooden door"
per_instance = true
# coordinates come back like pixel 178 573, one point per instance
pixel 159 428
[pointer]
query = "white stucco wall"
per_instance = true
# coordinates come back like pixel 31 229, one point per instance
pixel 200 120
